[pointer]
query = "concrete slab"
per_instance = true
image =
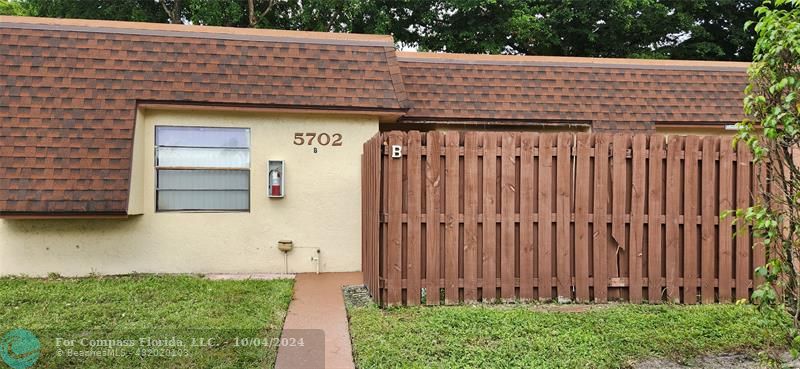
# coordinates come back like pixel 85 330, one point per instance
pixel 246 276
pixel 318 305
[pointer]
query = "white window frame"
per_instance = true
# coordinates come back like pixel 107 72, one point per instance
pixel 158 168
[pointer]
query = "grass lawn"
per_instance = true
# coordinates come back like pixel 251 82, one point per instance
pixel 522 336
pixel 130 322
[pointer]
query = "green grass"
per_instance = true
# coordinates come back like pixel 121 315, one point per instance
pixel 189 308
pixel 517 336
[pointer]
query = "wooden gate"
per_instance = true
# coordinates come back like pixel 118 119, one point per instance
pixel 471 216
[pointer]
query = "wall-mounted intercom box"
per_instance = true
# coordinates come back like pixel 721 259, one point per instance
pixel 276 179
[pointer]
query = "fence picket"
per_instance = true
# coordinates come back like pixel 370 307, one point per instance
pixel 489 227
pixel 582 191
pixel 617 251
pixel 432 208
pixel 451 218
pixel 413 194
pixel 708 199
pixel 367 247
pixel 526 201
pixel 654 213
pixel 726 181
pixel 690 200
pixel 563 206
pixel 394 172
pixel 364 209
pixel 743 248
pixel 759 251
pixel 638 189
pixel 375 237
pixel 673 261
pixel 545 217
pixel 507 225
pixel 470 217
pixel 601 216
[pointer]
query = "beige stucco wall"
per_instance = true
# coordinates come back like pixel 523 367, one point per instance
pixel 136 194
pixel 321 210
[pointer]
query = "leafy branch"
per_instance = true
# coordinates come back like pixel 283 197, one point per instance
pixel 772 132
pixel 253 16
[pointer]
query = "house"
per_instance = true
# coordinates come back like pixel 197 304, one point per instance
pixel 134 147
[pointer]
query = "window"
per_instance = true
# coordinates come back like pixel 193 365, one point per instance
pixel 202 169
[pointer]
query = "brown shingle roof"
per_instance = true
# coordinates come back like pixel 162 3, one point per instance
pixel 69 91
pixel 623 93
pixel 68 94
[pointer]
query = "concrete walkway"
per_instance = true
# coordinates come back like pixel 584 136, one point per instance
pixel 317 309
pixel 247 276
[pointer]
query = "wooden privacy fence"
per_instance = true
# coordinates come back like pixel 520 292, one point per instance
pixel 469 216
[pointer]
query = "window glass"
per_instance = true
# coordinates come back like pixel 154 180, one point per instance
pixel 203 200
pixel 203 179
pixel 203 157
pixel 202 169
pixel 203 137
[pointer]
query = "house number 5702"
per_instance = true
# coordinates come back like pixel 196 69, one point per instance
pixel 323 139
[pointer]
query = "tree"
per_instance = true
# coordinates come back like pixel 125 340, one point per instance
pixel 771 102
pixel 254 15
pixel 174 10
pixel 371 16
pixel 716 29
pixel 603 28
pixel 702 29
pixel 128 10
pixel 610 28
pixel 698 29
pixel 8 7
pixel 227 13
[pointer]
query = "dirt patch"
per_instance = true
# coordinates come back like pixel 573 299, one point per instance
pixel 356 296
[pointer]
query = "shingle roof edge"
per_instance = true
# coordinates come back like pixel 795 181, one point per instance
pixel 176 30
pixel 565 61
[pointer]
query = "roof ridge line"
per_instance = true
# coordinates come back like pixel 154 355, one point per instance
pixel 195 31
pixel 569 61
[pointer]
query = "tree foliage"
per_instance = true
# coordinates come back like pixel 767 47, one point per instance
pixel 8 7
pixel 772 132
pixel 698 29
pixel 371 16
pixel 702 29
pixel 127 10
pixel 572 27
pixel 217 13
pixel 717 29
